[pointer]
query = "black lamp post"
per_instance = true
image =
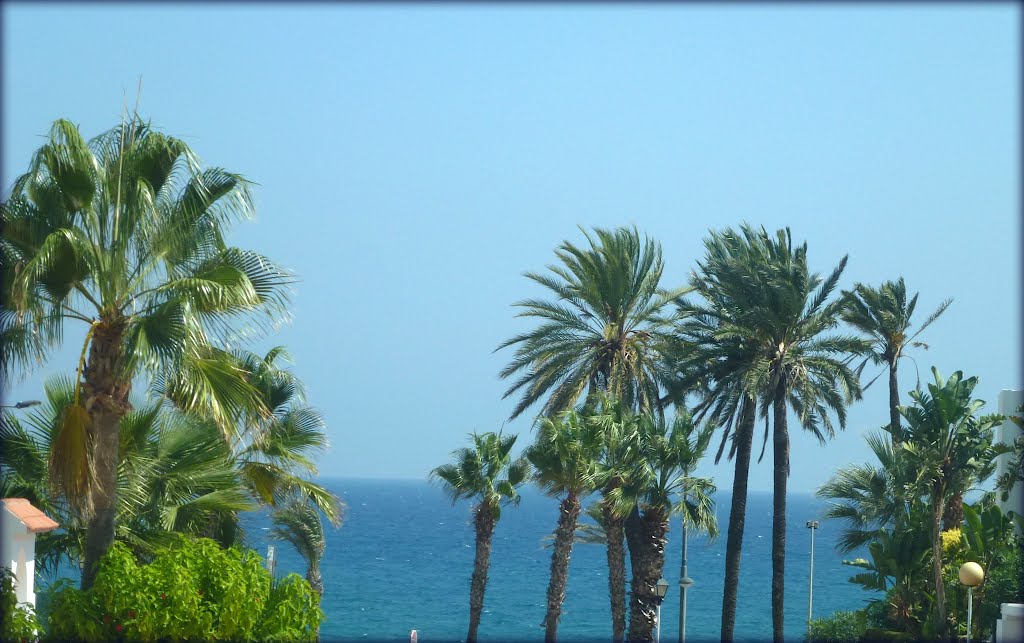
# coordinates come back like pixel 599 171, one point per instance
pixel 660 589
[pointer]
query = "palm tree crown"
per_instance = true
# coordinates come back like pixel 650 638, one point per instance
pixel 485 472
pixel 603 330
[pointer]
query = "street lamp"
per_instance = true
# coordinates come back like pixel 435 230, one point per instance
pixel 21 405
pixel 685 582
pixel 971 575
pixel 812 525
pixel 660 589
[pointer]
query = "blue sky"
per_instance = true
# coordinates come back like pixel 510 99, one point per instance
pixel 414 160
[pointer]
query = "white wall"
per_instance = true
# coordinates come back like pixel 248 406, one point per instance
pixel 19 548
pixel 1009 402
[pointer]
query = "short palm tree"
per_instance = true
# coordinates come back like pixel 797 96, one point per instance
pixel 298 523
pixel 126 234
pixel 883 315
pixel 487 474
pixel 872 497
pixel 619 451
pixel 564 458
pixel 275 451
pixel 951 447
pixel 603 330
pixel 177 475
pixel 666 453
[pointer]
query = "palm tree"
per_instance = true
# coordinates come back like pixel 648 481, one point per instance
pixel 789 312
pixel 951 447
pixel 872 497
pixel 666 454
pixel 883 315
pixel 275 451
pixel 618 454
pixel 564 458
pixel 176 475
pixel 603 330
pixel 125 234
pixel 712 358
pixel 487 473
pixel 298 522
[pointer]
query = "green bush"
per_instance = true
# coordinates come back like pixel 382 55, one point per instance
pixel 19 621
pixel 841 626
pixel 192 590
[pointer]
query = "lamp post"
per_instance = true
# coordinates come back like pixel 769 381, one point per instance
pixel 685 583
pixel 21 405
pixel 812 525
pixel 271 560
pixel 971 575
pixel 660 589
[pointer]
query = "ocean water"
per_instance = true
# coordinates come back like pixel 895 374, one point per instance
pixel 404 557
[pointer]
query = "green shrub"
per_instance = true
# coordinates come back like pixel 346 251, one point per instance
pixel 192 590
pixel 841 626
pixel 19 621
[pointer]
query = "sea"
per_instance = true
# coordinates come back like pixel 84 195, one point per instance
pixel 403 558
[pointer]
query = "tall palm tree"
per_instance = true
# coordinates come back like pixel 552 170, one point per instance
pixel 667 452
pixel 564 458
pixel 798 366
pixel 951 446
pixel 177 475
pixel 712 358
pixel 883 315
pixel 488 474
pixel 126 235
pixel 602 331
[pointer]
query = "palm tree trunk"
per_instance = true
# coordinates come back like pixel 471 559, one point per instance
pixel 648 565
pixel 894 401
pixel 106 399
pixel 569 512
pixel 484 523
pixel 781 453
pixel 744 438
pixel 953 514
pixel 940 589
pixel 615 534
pixel 316 581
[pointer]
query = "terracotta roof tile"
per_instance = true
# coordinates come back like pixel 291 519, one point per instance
pixel 34 519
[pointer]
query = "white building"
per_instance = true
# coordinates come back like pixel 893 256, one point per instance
pixel 20 524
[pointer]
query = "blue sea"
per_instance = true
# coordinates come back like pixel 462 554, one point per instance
pixel 403 558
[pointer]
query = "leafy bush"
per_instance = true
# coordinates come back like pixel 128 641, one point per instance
pixel 19 621
pixel 841 626
pixel 192 590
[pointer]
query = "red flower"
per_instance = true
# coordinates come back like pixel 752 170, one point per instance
pixel 106 618
pixel 131 613
pixel 118 628
pixel 163 596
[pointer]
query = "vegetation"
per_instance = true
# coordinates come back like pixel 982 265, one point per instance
pixel 18 620
pixel 896 509
pixel 191 590
pixel 487 474
pixel 841 627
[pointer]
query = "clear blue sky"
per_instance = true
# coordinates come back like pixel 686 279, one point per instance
pixel 414 161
